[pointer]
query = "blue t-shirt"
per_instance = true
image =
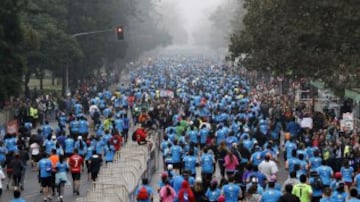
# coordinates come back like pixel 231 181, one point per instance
pixel 207 163
pixel 231 192
pixel 325 173
pixel 289 146
pixel 339 197
pixel 347 174
pixel 190 164
pixel 176 152
pixel 61 167
pixel 204 133
pixel 18 200
pixel 271 195
pixel 45 168
pixel 213 195
pixel 256 158
pixel 109 153
pixel 69 145
pixel 177 183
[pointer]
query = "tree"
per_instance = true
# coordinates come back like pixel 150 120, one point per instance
pixel 11 60
pixel 314 39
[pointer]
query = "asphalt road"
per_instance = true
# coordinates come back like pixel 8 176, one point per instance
pixel 32 188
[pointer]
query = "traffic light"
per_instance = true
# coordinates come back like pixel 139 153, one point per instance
pixel 120 33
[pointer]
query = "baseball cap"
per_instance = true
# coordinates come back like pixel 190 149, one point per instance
pixel 164 175
pixel 170 167
pixel 338 175
pixel 221 198
pixel 79 137
pixel 53 137
pixel 198 179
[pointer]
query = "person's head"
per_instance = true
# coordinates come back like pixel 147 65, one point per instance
pixel 213 185
pixel 301 156
pixel 267 157
pixel 145 181
pixel 293 174
pixel 231 179
pixel 353 192
pixel 252 189
pixel 76 151
pixel 340 187
pixel 288 188
pixel 53 151
pixel 17 194
pixel 61 158
pixel 293 153
pixel 303 178
pixel 327 192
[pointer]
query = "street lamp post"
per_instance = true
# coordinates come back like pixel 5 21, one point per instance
pixel 75 36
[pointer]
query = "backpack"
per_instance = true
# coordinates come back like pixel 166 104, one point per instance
pixel 317 183
pixel 143 194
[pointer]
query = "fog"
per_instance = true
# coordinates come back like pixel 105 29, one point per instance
pixel 188 21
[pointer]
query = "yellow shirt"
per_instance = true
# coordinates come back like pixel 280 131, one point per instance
pixel 303 191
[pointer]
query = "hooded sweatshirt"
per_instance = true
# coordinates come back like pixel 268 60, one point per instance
pixel 185 191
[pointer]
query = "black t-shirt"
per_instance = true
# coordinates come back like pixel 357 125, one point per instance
pixel 289 197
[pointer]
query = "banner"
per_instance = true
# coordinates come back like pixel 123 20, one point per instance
pixel 347 121
pixel 306 122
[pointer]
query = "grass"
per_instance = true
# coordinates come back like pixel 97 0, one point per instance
pixel 35 83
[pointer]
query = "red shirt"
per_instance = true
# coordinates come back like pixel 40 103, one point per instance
pixel 75 163
pixel 140 135
pixel 116 140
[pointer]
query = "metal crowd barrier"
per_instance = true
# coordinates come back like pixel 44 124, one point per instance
pixel 117 181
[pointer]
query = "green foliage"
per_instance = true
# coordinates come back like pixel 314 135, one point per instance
pixel 39 36
pixel 11 60
pixel 316 39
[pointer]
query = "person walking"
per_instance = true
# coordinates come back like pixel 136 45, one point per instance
pixel 288 196
pixel 95 163
pixel 167 193
pixel 302 190
pixel 17 197
pixel 45 168
pixel 144 193
pixel 18 167
pixel 75 164
pixel 61 177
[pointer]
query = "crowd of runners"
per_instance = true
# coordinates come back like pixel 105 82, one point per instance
pixel 230 138
pixel 226 137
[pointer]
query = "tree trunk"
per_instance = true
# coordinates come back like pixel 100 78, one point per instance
pixel 26 84
pixel 41 79
pixel 53 79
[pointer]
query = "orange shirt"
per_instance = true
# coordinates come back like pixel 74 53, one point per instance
pixel 54 160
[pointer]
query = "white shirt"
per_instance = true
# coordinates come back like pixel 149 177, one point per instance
pixel 2 177
pixel 268 168
pixel 35 148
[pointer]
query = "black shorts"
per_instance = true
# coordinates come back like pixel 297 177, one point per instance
pixel 35 158
pixel 45 181
pixel 67 155
pixel 76 176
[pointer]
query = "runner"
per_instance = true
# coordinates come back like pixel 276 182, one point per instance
pixel 45 172
pixel 75 164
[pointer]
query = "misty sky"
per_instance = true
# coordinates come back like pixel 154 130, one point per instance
pixel 195 11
